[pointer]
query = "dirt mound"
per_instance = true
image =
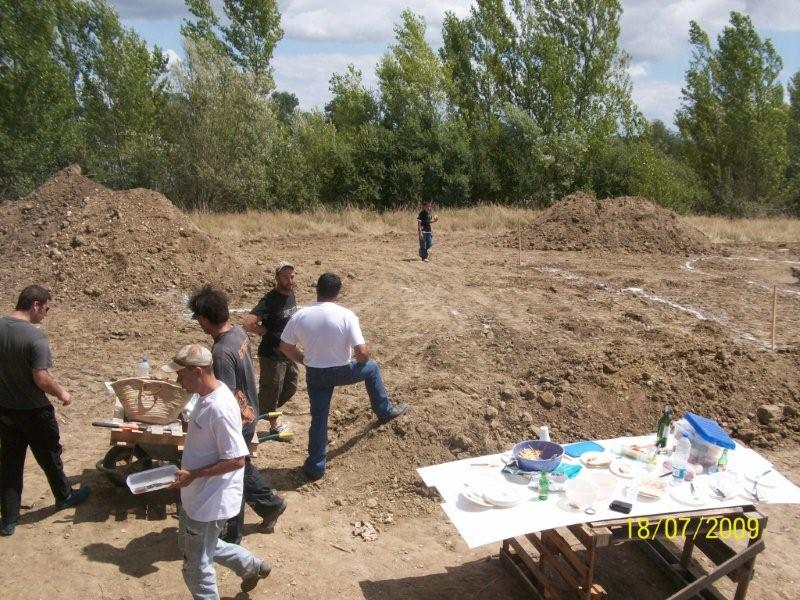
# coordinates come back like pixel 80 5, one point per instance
pixel 631 224
pixel 129 248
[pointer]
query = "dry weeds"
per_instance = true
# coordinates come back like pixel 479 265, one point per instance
pixel 486 218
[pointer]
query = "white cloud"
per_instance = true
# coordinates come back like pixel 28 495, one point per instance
pixel 173 58
pixel 357 21
pixel 774 15
pixel 150 10
pixel 657 99
pixel 307 75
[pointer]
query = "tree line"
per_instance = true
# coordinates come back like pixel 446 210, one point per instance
pixel 526 101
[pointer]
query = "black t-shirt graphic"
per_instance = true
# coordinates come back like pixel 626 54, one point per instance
pixel 274 310
pixel 425 218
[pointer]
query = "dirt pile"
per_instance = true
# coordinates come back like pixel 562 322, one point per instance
pixel 128 248
pixel 630 224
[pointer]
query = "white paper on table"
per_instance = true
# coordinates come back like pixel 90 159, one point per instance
pixel 479 525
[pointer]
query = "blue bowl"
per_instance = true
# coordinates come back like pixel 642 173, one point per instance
pixel 551 454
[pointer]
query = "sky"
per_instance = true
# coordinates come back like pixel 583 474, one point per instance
pixel 322 36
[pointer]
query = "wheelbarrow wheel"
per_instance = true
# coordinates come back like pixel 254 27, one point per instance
pixel 120 461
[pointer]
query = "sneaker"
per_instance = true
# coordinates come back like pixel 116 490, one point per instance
pixel 8 529
pixel 75 497
pixel 249 583
pixel 397 410
pixel 268 524
pixel 279 428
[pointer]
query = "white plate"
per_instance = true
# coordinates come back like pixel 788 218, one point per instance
pixel 683 493
pixel 506 497
pixel 597 460
pixel 770 480
pixel 622 467
pixel 474 496
pixel 652 488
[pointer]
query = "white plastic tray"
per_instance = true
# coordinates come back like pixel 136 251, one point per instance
pixel 152 479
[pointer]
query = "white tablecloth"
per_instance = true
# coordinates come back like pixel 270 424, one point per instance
pixel 480 525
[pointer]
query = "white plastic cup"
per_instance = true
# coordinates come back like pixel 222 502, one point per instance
pixel 544 433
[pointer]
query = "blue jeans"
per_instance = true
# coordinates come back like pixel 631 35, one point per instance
pixel 425 243
pixel 201 548
pixel 320 383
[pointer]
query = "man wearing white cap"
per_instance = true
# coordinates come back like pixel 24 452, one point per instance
pixel 211 478
pixel 278 375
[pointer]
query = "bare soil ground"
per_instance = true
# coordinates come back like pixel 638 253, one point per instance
pixel 591 342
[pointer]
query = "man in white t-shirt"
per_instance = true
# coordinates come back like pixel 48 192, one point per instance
pixel 211 478
pixel 329 335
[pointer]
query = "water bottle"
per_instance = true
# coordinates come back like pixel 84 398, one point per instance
pixel 544 433
pixel 680 458
pixel 143 368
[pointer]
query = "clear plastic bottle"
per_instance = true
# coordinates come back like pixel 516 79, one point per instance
pixel 680 458
pixel 143 368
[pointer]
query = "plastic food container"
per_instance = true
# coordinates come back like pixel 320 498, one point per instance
pixel 708 439
pixel 152 479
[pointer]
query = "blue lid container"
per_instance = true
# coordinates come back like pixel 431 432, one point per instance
pixel 710 431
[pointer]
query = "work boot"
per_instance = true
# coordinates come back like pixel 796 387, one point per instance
pixel 8 529
pixel 397 410
pixel 74 498
pixel 268 524
pixel 249 583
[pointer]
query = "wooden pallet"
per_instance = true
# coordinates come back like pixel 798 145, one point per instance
pixel 548 563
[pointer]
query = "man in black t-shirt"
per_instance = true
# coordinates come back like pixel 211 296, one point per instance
pixel 424 220
pixel 27 418
pixel 278 374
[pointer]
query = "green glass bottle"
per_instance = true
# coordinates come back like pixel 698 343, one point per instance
pixel 722 465
pixel 544 485
pixel 662 431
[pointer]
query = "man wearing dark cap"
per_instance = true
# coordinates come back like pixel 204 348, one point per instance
pixel 27 418
pixel 330 335
pixel 278 374
pixel 211 478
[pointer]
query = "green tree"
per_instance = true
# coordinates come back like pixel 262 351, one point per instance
pixel 38 109
pixel 733 117
pixel 351 104
pixel 285 104
pixel 248 35
pixel 122 95
pixel 221 135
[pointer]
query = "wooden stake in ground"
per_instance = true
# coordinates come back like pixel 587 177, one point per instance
pixel 774 312
pixel 519 243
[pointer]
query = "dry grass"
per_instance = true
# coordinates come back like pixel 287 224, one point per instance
pixel 772 229
pixel 261 224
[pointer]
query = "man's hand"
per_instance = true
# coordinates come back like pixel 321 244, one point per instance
pixel 65 398
pixel 182 479
pixel 361 352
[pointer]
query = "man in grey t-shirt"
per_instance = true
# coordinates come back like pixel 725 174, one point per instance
pixel 233 365
pixel 27 417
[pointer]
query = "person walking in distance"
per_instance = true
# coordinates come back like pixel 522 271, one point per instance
pixel 233 366
pixel 278 374
pixel 27 418
pixel 210 479
pixel 329 335
pixel 424 230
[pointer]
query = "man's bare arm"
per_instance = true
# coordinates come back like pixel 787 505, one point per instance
pixel 185 476
pixel 251 325
pixel 292 352
pixel 362 353
pixel 45 382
